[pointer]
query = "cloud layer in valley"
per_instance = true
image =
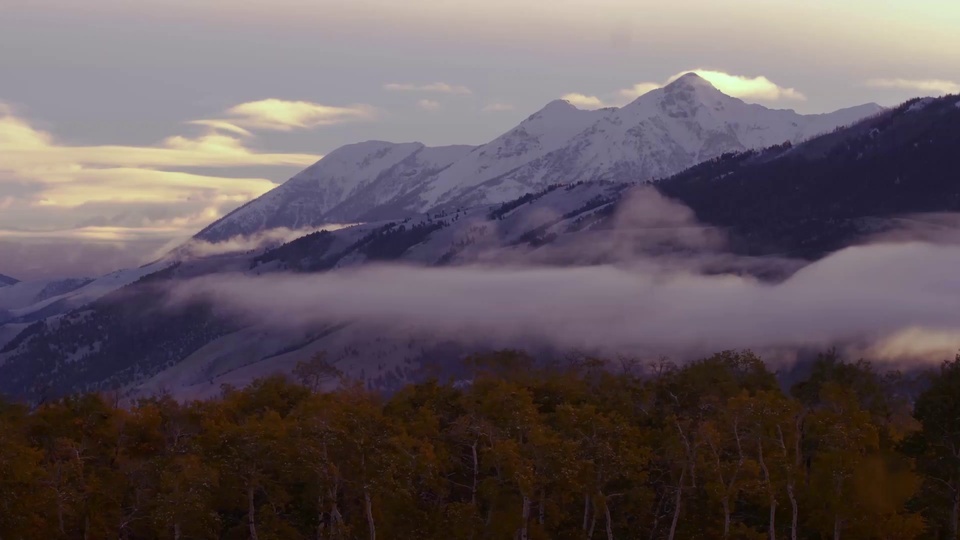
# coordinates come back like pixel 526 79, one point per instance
pixel 888 300
pixel 891 298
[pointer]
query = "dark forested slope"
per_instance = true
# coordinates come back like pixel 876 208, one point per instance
pixel 810 199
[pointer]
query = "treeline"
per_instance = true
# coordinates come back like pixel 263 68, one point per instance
pixel 516 450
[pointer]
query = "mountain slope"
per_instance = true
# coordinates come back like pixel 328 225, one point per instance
pixel 353 178
pixel 7 280
pixel 659 134
pixel 817 197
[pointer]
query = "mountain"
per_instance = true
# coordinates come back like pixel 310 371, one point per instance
pixel 791 202
pixel 7 280
pixel 660 133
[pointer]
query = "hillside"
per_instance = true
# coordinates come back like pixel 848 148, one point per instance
pixel 814 198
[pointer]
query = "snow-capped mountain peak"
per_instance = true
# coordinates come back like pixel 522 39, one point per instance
pixel 660 133
pixel 691 82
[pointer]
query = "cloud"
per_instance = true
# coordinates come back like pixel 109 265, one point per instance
pixel 497 107
pixel 757 88
pixel 583 100
pixel 281 115
pixel 34 153
pixel 651 286
pixel 222 125
pixel 82 193
pixel 266 239
pixel 437 87
pixel 428 105
pixel 894 296
pixel 938 86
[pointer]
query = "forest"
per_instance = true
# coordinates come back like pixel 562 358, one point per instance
pixel 515 448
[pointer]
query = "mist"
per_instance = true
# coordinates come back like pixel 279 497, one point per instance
pixel 897 300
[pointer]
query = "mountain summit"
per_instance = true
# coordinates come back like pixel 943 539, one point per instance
pixel 660 133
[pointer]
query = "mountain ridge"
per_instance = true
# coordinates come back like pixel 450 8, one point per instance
pixel 7 280
pixel 658 134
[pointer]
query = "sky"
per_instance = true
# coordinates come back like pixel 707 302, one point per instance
pixel 127 126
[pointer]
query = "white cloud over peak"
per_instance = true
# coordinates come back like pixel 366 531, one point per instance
pixel 757 88
pixel 937 86
pixel 583 101
pixel 437 87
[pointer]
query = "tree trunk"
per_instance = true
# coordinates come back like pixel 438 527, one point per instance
pixel 726 517
pixel 542 507
pixel 524 534
pixel 251 514
pixel 773 518
pixel 476 474
pixel 836 528
pixel 336 519
pixel 586 511
pixel 795 516
pixel 370 524
pixel 320 519
pixel 593 524
pixel 63 531
pixel 772 527
pixel 955 514
pixel 606 509
pixel 676 506
pixel 176 530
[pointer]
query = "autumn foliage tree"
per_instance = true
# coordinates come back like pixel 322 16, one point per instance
pixel 519 448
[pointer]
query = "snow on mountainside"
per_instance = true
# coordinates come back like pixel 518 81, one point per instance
pixel 26 302
pixel 660 133
pixel 6 281
pixel 362 176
